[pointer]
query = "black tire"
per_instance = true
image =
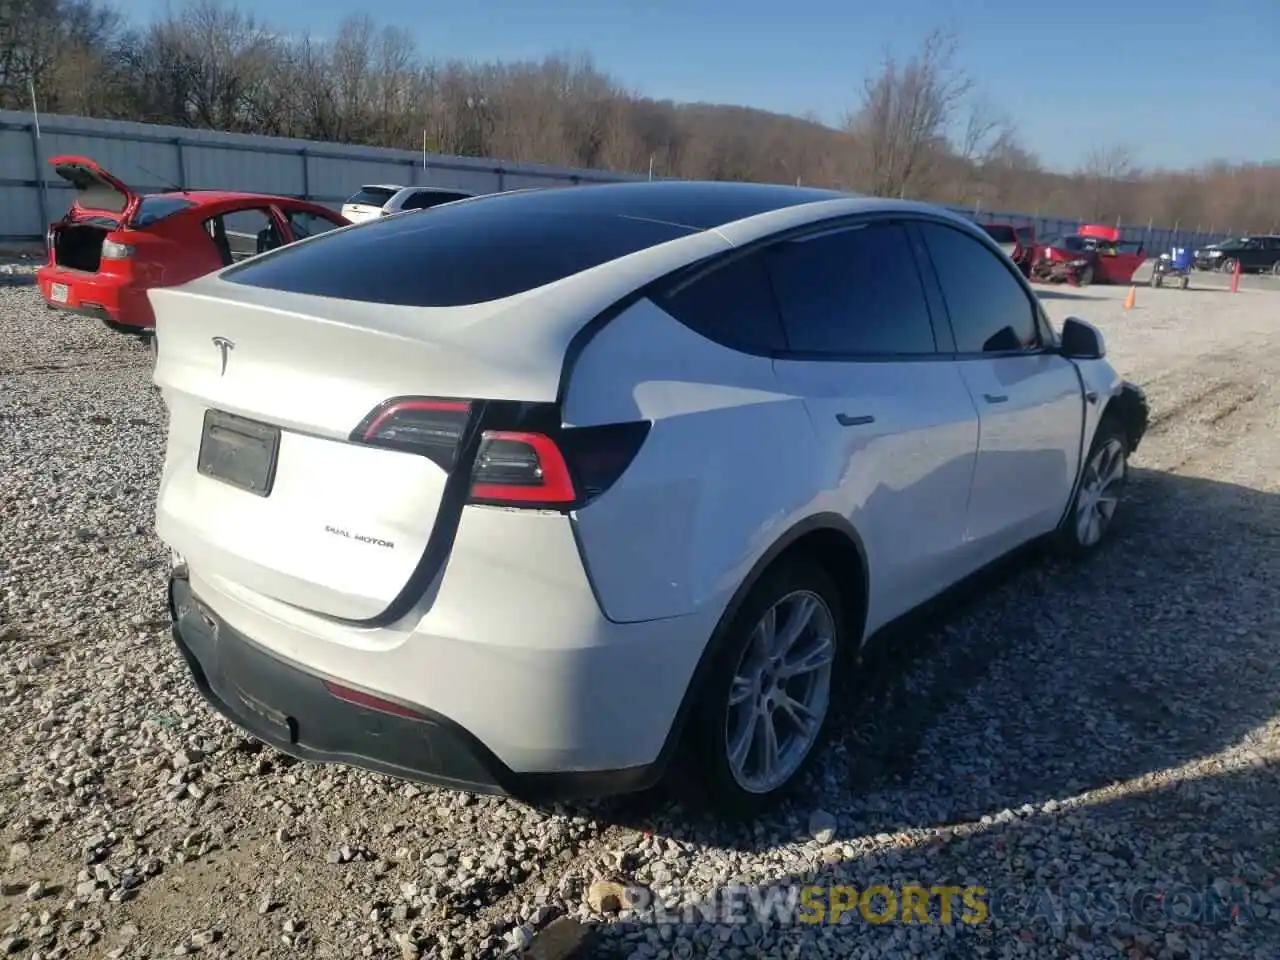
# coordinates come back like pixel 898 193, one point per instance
pixel 1275 268
pixel 1070 539
pixel 1085 276
pixel 704 777
pixel 1186 282
pixel 1227 266
pixel 1156 280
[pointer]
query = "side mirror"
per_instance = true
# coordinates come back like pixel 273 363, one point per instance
pixel 1081 340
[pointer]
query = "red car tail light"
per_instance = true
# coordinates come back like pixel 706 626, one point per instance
pixel 553 468
pixel 115 250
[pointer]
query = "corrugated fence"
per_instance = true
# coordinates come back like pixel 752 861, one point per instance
pixel 151 158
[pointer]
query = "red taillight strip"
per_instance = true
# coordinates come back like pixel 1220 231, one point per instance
pixel 368 700
pixel 556 486
pixel 450 406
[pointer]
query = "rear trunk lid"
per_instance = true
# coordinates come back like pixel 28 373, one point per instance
pixel 97 191
pixel 336 527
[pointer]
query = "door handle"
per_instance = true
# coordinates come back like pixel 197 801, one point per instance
pixel 848 421
pixel 995 397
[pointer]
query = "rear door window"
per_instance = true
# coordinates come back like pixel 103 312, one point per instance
pixel 240 234
pixel 431 198
pixel 852 293
pixel 372 196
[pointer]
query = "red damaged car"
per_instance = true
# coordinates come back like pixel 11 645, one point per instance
pixel 1093 254
pixel 1018 243
pixel 113 244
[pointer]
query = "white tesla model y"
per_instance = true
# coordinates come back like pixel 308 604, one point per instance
pixel 548 490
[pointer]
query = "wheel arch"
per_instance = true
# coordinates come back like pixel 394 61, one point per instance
pixel 1129 406
pixel 833 541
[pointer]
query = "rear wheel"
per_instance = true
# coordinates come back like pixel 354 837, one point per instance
pixel 766 705
pixel 1186 281
pixel 1275 268
pixel 1156 280
pixel 1085 276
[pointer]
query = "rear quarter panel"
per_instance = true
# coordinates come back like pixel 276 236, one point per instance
pixel 725 470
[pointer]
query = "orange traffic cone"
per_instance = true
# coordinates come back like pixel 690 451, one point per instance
pixel 1131 298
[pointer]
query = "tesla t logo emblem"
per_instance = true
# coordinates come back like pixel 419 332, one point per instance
pixel 224 346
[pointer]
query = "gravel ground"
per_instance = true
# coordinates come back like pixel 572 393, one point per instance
pixel 1096 744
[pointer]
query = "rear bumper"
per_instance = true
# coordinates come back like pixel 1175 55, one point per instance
pixel 293 709
pixel 114 299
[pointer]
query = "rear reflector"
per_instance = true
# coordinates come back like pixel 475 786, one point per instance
pixel 360 699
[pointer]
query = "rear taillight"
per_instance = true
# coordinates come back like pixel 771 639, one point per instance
pixel 553 467
pixel 431 428
pixel 114 250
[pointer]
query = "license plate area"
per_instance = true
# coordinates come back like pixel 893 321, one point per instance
pixel 239 452
pixel 59 292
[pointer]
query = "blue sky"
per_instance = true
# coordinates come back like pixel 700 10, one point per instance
pixel 1201 81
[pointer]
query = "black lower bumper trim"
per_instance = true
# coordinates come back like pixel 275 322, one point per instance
pixel 291 709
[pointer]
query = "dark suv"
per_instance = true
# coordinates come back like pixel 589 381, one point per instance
pixel 1254 254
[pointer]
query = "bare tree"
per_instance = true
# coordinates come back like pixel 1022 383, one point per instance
pixel 922 130
pixel 906 113
pixel 1103 174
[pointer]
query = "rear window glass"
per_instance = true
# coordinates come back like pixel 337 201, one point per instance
pixel 372 196
pixel 431 198
pixel 151 209
pixel 1000 234
pixel 463 253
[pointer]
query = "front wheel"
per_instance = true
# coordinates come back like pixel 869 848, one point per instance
pixel 1098 494
pixel 766 705
pixel 1275 268
pixel 1228 266
pixel 1085 276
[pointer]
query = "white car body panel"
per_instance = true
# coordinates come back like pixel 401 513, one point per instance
pixel 686 550
pixel 1028 453
pixel 539 676
pixel 901 478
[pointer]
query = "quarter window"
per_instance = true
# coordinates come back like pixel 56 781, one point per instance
pixel 732 305
pixel 989 309
pixel 853 292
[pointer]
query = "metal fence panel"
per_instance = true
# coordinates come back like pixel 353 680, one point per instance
pixel 152 157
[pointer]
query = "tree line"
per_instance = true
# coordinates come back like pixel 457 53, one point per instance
pixel 919 129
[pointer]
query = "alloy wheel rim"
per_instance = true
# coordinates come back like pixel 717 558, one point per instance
pixel 1100 492
pixel 780 692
